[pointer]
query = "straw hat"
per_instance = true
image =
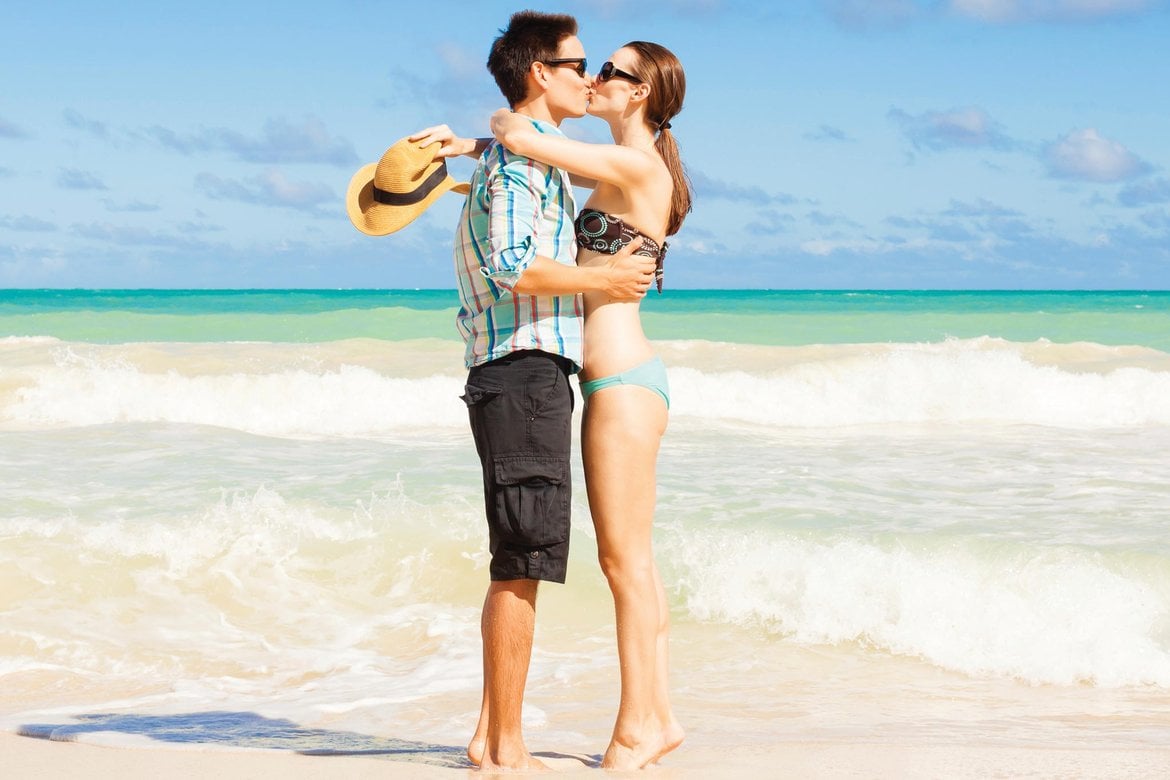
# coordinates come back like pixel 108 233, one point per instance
pixel 388 195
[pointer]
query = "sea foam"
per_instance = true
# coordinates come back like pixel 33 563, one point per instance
pixel 978 381
pixel 1055 616
pixel 972 381
pixel 349 401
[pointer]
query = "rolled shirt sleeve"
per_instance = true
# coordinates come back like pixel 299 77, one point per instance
pixel 517 193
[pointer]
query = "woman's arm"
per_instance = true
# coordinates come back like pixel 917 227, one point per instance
pixel 581 181
pixel 617 165
pixel 450 145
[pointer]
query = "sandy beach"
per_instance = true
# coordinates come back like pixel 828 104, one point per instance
pixel 46 760
pixel 39 758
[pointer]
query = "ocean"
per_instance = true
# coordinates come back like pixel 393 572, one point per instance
pixel 254 518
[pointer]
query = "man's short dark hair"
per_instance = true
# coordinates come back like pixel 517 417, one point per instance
pixel 531 37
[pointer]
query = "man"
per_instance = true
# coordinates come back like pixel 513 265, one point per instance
pixel 521 321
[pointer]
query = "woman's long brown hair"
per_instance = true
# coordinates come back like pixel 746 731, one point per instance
pixel 659 68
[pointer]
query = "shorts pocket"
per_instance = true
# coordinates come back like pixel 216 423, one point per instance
pixel 475 394
pixel 532 499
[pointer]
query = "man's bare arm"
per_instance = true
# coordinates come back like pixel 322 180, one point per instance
pixel 624 277
pixel 450 145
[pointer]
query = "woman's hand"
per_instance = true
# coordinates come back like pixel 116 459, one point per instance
pixel 506 125
pixel 450 145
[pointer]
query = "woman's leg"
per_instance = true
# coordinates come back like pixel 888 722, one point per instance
pixel 672 730
pixel 478 743
pixel 621 431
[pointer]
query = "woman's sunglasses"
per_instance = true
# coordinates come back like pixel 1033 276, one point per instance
pixel 608 71
pixel 578 64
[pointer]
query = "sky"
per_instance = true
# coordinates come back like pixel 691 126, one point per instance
pixel 831 144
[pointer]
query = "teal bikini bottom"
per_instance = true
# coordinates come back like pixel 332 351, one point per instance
pixel 651 375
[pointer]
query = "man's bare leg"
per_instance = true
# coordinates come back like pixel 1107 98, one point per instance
pixel 509 619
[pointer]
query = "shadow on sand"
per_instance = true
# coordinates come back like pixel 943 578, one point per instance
pixel 249 730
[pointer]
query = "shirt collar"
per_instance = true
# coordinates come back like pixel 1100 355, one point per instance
pixel 545 126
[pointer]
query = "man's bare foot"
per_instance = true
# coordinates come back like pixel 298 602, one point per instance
pixel 523 763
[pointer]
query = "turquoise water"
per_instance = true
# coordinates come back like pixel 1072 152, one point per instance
pixel 769 317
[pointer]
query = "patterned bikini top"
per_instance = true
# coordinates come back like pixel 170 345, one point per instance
pixel 607 234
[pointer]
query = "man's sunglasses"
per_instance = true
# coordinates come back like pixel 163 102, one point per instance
pixel 578 63
pixel 608 71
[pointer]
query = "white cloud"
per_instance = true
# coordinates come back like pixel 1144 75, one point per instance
pixel 280 141
pixel 872 13
pixel 980 208
pixel 1145 193
pixel 460 62
pixel 610 9
pixel 770 222
pixel 76 179
pixel 126 235
pixel 696 246
pixel 708 187
pixel 1005 11
pixel 10 130
pixel 969 127
pixel 77 121
pixel 823 247
pixel 132 206
pixel 1157 220
pixel 827 133
pixel 1084 154
pixel 271 188
pixel 27 224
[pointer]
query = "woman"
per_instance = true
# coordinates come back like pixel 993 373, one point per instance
pixel 640 194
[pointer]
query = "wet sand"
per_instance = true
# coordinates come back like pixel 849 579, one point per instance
pixel 26 757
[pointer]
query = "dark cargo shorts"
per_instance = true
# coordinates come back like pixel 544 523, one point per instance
pixel 521 412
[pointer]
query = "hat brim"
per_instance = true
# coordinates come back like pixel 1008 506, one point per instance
pixel 379 219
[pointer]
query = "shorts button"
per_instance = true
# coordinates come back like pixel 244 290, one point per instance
pixel 534 554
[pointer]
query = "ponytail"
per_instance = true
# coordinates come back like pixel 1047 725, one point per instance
pixel 680 198
pixel 658 66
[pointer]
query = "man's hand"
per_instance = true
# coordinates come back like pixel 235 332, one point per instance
pixel 629 276
pixel 450 145
pixel 623 277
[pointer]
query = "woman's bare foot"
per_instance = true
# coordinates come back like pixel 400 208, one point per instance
pixel 634 751
pixel 476 748
pixel 672 736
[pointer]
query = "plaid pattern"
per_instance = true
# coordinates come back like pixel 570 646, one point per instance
pixel 517 208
